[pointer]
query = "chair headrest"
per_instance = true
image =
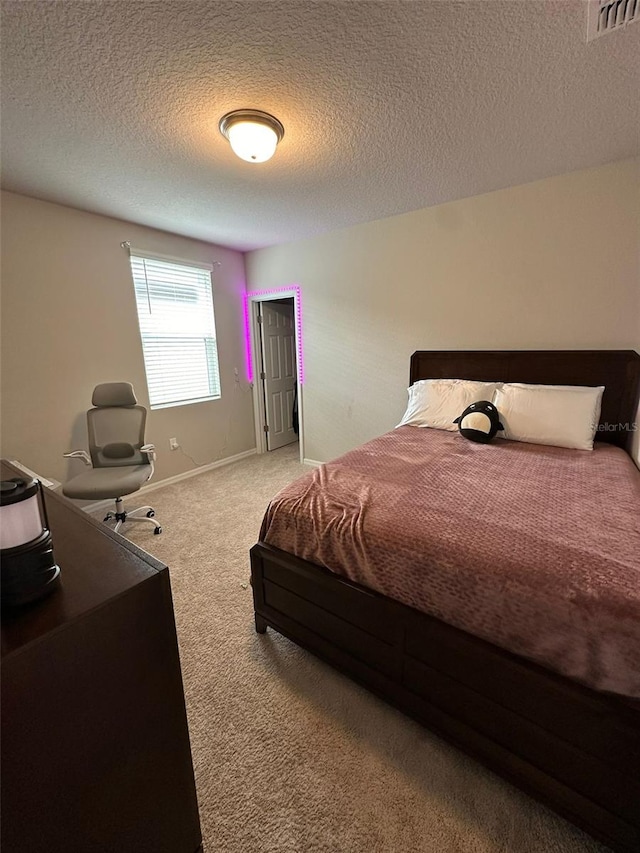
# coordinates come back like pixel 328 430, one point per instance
pixel 113 394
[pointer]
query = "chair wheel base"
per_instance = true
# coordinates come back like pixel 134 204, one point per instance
pixel 123 516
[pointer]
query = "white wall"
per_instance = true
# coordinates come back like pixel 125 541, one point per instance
pixel 551 264
pixel 69 321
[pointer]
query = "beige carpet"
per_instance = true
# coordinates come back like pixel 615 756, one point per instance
pixel 290 756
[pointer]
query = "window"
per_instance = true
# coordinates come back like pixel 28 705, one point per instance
pixel 177 327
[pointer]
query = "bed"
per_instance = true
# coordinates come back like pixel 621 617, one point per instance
pixel 566 736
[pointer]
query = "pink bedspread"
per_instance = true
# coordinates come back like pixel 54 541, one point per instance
pixel 533 548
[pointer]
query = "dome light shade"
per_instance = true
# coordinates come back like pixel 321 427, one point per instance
pixel 252 134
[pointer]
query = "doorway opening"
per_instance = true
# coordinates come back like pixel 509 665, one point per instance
pixel 274 367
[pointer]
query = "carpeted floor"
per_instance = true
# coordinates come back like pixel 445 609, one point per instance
pixel 290 756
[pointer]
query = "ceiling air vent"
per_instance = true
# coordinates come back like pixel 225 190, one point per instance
pixel 605 16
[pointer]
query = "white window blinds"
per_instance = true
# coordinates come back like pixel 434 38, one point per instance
pixel 177 327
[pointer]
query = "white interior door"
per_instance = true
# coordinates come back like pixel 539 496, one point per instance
pixel 279 369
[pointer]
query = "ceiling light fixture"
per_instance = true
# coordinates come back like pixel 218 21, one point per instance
pixel 252 134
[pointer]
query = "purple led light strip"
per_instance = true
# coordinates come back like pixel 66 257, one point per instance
pixel 247 326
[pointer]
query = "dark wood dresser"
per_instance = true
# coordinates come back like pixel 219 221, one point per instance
pixel 95 745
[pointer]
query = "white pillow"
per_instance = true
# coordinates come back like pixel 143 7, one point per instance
pixel 561 415
pixel 438 402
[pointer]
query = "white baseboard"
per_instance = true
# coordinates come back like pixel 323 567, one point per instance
pixel 97 506
pixel 313 462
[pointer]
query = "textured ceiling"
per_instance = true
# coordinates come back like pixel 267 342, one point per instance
pixel 387 106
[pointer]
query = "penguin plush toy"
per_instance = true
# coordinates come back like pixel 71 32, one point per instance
pixel 479 422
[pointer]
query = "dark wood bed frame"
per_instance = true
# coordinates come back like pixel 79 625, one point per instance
pixel 573 748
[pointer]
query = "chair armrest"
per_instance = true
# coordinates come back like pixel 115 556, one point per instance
pixel 150 450
pixel 78 454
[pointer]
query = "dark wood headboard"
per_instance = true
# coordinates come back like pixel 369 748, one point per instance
pixel 617 370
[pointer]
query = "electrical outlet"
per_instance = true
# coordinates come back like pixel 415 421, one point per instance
pixel 173 444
